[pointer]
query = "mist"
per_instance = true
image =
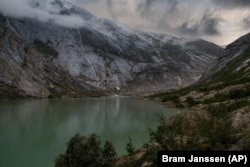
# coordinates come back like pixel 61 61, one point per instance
pixel 42 10
pixel 219 21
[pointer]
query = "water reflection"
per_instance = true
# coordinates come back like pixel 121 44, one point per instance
pixel 34 132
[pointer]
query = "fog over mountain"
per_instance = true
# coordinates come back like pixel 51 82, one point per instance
pixel 64 50
pixel 220 21
pixel 42 10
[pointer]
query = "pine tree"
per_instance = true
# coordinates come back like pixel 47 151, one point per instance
pixel 130 147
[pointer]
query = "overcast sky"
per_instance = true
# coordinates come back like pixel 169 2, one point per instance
pixel 219 21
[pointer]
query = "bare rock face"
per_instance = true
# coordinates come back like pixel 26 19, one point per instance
pixel 44 59
pixel 230 53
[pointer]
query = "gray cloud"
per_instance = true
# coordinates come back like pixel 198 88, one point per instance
pixel 189 27
pixel 84 2
pixel 232 3
pixel 164 14
pixel 180 17
pixel 42 10
pixel 210 24
pixel 177 17
pixel 101 5
pixel 157 9
pixel 161 13
pixel 206 26
pixel 145 7
pixel 110 5
pixel 246 22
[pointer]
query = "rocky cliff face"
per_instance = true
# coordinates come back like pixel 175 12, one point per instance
pixel 231 59
pixel 224 93
pixel 44 59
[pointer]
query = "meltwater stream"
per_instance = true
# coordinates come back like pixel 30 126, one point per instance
pixel 34 132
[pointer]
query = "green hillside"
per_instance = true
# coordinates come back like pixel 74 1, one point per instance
pixel 217 116
pixel 229 86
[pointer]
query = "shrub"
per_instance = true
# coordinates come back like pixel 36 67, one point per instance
pixel 235 94
pixel 165 134
pixel 86 151
pixel 190 100
pixel 211 133
pixel 246 144
pixel 203 89
pixel 238 104
pixel 220 110
pixel 220 133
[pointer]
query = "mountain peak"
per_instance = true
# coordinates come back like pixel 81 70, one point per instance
pixel 95 57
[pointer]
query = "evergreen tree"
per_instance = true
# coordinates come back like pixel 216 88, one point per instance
pixel 130 147
pixel 108 153
pixel 87 152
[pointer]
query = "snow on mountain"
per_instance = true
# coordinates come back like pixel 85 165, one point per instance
pixel 43 59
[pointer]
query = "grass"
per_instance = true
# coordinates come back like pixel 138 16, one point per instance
pixel 232 95
pixel 223 110
pixel 228 76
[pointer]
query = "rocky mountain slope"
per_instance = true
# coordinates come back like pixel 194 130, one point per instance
pixel 217 117
pixel 45 59
pixel 224 95
pixel 218 113
pixel 227 81
pixel 232 53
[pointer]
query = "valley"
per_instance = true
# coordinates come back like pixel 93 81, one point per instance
pixel 74 72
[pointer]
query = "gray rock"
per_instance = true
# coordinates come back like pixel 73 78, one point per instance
pixel 43 59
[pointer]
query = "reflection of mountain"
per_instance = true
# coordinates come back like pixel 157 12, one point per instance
pixel 43 59
pixel 113 112
pixel 42 127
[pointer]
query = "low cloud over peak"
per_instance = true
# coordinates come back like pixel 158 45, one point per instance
pixel 42 10
pixel 219 21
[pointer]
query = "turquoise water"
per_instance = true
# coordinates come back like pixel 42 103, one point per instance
pixel 35 132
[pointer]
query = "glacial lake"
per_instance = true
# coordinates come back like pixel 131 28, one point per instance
pixel 34 132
